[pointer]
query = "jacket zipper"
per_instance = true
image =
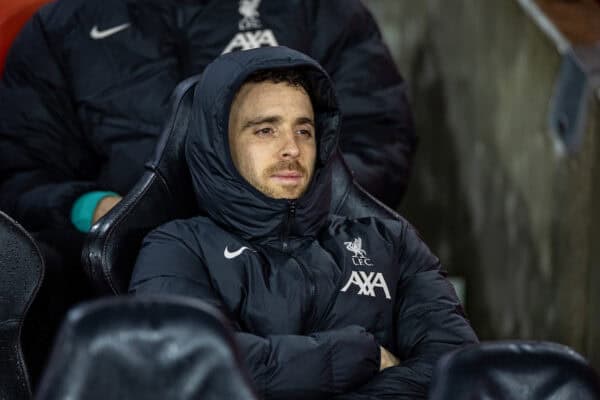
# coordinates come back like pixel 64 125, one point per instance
pixel 312 287
pixel 288 224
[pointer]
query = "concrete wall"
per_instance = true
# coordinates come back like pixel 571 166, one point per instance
pixel 490 193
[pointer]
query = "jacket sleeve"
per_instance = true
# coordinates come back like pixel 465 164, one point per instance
pixel 282 366
pixel 377 136
pixel 45 162
pixel 429 322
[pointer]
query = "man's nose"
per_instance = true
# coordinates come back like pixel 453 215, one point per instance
pixel 290 148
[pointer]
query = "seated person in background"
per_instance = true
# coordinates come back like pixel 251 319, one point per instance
pixel 86 88
pixel 323 305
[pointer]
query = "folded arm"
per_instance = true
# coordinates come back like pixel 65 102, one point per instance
pixel 286 366
pixel 429 323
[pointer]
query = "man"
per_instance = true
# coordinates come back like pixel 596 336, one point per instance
pixel 323 305
pixel 86 90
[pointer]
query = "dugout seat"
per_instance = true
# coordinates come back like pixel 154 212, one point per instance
pixel 144 348
pixel 21 274
pixel 164 193
pixel 516 370
pixel 13 16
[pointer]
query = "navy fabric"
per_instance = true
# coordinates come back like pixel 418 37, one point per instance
pixel 311 294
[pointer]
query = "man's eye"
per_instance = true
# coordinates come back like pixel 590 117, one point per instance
pixel 264 131
pixel 304 132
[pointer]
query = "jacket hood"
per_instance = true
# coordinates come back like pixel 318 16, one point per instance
pixel 221 191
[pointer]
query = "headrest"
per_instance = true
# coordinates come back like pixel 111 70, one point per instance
pixel 144 348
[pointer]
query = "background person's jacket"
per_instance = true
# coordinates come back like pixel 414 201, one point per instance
pixel 312 295
pixel 86 88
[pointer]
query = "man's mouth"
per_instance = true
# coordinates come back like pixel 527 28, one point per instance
pixel 288 177
pixel 287 173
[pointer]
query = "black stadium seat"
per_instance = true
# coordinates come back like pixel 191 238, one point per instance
pixel 21 273
pixel 144 348
pixel 162 194
pixel 165 193
pixel 515 370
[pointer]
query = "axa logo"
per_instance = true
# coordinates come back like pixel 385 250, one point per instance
pixel 367 282
pixel 360 255
pixel 251 40
pixel 247 38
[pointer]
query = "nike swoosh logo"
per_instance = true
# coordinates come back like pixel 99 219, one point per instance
pixel 233 254
pixel 96 34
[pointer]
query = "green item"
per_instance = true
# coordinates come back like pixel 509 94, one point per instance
pixel 83 209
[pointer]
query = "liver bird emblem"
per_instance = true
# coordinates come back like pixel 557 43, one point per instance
pixel 356 247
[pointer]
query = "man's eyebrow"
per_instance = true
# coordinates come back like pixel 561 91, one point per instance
pixel 274 120
pixel 261 120
pixel 305 120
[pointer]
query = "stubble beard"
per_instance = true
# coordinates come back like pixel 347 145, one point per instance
pixel 282 191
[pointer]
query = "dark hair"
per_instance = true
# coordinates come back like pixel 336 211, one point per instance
pixel 291 76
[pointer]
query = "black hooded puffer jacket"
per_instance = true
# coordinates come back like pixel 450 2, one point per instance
pixel 312 295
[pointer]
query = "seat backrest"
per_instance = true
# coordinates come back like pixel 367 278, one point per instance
pixel 13 15
pixel 350 199
pixel 514 370
pixel 162 194
pixel 144 348
pixel 165 193
pixel 21 273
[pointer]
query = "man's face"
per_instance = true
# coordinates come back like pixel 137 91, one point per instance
pixel 272 138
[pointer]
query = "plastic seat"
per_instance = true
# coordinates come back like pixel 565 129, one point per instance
pixel 13 15
pixel 144 348
pixel 516 370
pixel 164 193
pixel 21 274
